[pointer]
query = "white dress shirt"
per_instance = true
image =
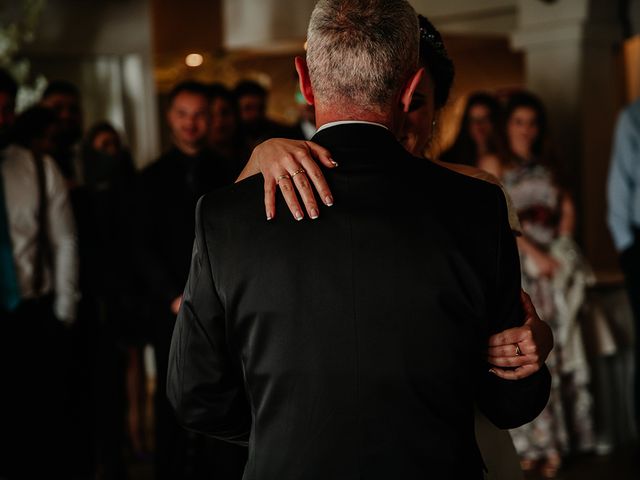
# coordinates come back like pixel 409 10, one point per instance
pixel 20 178
pixel 623 189
pixel 348 122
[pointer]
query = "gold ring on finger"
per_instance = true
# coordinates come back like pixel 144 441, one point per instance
pixel 518 351
pixel 298 172
pixel 281 177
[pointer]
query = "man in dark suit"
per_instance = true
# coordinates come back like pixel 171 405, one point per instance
pixel 168 192
pixel 257 127
pixel 351 346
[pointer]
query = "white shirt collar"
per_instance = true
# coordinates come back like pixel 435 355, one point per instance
pixel 345 122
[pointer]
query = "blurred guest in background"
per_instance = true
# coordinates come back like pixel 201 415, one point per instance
pixel 225 138
pixel 8 92
pixel 252 102
pixel 64 99
pixel 105 161
pixel 555 275
pixel 38 295
pixel 108 285
pixel 167 194
pixel 480 132
pixel 624 216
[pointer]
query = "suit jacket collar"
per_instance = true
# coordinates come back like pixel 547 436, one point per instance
pixel 359 145
pixel 358 136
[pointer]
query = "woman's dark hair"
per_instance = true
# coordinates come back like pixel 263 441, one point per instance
pixel 464 149
pixel 32 124
pixel 541 148
pixel 101 171
pixel 97 129
pixel 433 55
pixel 524 99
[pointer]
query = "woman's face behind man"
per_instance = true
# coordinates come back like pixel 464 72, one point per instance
pixel 418 127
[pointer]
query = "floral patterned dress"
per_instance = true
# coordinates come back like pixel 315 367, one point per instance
pixel 537 201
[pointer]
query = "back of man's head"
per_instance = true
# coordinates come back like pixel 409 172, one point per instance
pixel 361 52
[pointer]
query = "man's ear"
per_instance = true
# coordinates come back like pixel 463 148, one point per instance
pixel 305 81
pixel 409 89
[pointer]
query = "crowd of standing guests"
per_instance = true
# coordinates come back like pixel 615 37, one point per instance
pixel 95 257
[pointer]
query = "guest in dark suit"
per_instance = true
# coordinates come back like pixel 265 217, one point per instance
pixel 64 99
pixel 168 191
pixel 225 137
pixel 353 361
pixel 252 104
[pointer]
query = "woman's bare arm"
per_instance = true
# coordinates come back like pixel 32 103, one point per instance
pixel 291 164
pixel 567 225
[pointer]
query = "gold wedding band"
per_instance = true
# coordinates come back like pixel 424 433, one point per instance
pixel 518 351
pixel 281 177
pixel 298 172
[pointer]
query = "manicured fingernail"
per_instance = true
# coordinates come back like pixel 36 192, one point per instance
pixel 492 371
pixel 328 201
pixel 335 164
pixel 314 213
pixel 298 215
pixel 269 216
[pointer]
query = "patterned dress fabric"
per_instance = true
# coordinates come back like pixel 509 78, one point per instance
pixel 567 418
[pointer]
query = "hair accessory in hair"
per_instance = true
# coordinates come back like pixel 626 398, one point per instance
pixel 428 33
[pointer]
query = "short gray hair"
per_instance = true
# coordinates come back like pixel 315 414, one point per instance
pixel 361 51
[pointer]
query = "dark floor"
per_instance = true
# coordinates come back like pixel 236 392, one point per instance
pixel 620 465
pixel 623 464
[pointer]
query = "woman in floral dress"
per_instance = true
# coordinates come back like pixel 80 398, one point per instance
pixel 555 276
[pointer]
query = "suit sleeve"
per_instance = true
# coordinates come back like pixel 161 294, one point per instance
pixel 204 385
pixel 509 403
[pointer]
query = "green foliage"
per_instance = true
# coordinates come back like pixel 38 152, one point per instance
pixel 16 30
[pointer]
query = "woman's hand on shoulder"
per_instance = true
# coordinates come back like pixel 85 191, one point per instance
pixel 292 165
pixel 519 352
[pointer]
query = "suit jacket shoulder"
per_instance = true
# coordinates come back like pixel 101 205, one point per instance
pixel 353 343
